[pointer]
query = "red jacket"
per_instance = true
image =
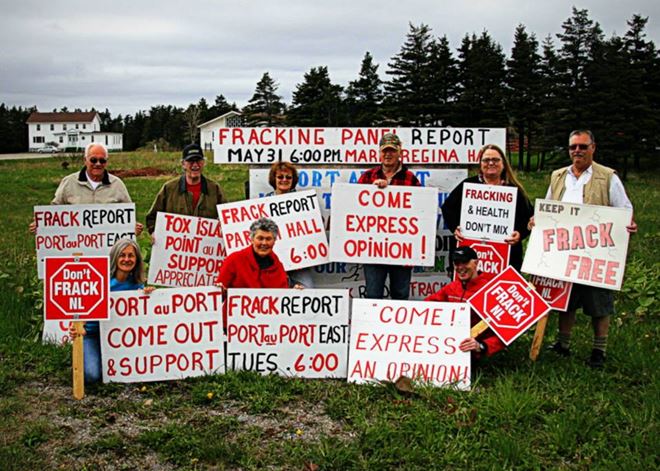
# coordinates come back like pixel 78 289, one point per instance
pixel 455 292
pixel 240 270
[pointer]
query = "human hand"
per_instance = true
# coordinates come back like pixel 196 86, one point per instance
pixel 632 227
pixel 513 239
pixel 458 234
pixel 73 332
pixel 469 345
pixel 531 223
pixel 298 286
pixel 149 289
pixel 33 227
pixel 139 227
pixel 380 183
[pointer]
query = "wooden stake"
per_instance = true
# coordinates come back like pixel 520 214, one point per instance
pixel 78 361
pixel 538 337
pixel 478 329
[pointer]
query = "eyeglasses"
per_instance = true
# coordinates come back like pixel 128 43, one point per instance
pixel 95 161
pixel 285 177
pixel 579 146
pixel 492 161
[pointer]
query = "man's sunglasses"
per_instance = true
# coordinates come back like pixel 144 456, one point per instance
pixel 579 146
pixel 285 177
pixel 95 161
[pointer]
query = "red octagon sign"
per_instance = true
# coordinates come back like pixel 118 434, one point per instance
pixel 509 305
pixel 557 293
pixel 493 256
pixel 77 288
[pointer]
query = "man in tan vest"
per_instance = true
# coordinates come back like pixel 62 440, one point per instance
pixel 586 182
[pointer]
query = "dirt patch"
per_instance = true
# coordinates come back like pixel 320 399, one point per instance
pixel 140 172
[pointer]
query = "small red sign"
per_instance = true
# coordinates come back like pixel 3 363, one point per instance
pixel 555 292
pixel 509 305
pixel 77 288
pixel 493 256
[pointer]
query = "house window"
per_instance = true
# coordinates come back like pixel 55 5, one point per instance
pixel 84 126
pixel 234 122
pixel 212 136
pixel 76 125
pixel 64 127
pixel 106 139
pixel 92 138
pixel 38 127
pixel 61 139
pixel 38 139
pixel 52 127
pixel 82 137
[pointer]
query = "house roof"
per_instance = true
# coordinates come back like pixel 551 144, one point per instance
pixel 78 117
pixel 229 113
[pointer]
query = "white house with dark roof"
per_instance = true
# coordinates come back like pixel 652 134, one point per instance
pixel 208 130
pixel 70 131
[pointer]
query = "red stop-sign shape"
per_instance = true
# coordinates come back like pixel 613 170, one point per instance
pixel 509 305
pixel 493 256
pixel 76 287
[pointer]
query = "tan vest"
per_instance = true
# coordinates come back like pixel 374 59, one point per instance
pixel 596 191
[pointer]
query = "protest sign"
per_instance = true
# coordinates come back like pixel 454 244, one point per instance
pixel 487 211
pixel 421 146
pixel 580 243
pixel 76 288
pixel 509 305
pixel 56 332
pixel 81 229
pixel 555 292
pixel 395 225
pixel 493 256
pixel 172 333
pixel 188 251
pixel 302 241
pixel 290 332
pixel 419 340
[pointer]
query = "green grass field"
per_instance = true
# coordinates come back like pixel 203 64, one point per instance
pixel 553 414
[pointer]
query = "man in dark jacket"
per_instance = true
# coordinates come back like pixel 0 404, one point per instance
pixel 469 281
pixel 191 194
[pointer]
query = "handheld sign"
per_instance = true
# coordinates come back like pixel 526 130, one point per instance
pixel 419 340
pixel 302 241
pixel 556 293
pixel 172 333
pixel 289 332
pixel 81 229
pixel 188 251
pixel 421 146
pixel 509 305
pixel 76 288
pixel 395 225
pixel 580 243
pixel 488 211
pixel 493 256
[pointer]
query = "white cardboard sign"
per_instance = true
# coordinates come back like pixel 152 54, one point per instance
pixel 290 332
pixel 585 244
pixel 488 211
pixel 415 339
pixel 172 333
pixel 188 251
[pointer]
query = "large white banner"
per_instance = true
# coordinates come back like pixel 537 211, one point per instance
pixel 81 229
pixel 488 212
pixel 187 251
pixel 395 225
pixel 173 333
pixel 302 240
pixel 290 332
pixel 419 340
pixel 420 146
pixel 580 243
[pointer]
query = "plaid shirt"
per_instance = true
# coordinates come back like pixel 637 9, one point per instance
pixel 403 177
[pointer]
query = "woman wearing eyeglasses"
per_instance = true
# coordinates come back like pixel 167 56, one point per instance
pixel 283 177
pixel 494 169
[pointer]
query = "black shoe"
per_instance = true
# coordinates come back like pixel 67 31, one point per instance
pixel 559 350
pixel 597 359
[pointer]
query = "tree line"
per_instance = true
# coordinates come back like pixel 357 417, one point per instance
pixel 542 90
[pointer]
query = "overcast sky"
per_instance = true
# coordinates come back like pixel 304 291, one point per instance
pixel 131 55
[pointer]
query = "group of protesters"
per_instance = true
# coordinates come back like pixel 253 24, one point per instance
pixel 257 266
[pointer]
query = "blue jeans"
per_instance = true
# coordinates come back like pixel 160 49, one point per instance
pixel 375 276
pixel 92 353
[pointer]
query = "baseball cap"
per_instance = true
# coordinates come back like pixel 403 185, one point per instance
pixel 192 152
pixel 464 255
pixel 389 140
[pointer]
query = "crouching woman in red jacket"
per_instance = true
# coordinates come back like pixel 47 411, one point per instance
pixel 459 291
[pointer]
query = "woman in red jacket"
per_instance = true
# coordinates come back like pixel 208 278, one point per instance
pixel 459 291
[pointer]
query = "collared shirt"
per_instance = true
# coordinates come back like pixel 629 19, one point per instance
pixel 403 177
pixel 574 192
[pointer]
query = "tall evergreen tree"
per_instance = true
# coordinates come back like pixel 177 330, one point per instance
pixel 481 82
pixel 523 97
pixel 316 101
pixel 551 133
pixel 408 96
pixel 265 108
pixel 364 96
pixel 442 82
pixel 221 106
